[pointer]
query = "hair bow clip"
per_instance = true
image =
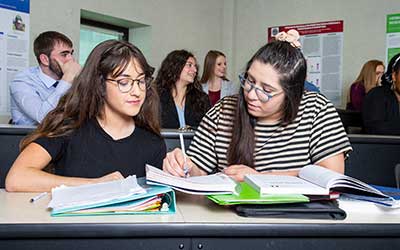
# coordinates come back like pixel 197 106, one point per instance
pixel 292 37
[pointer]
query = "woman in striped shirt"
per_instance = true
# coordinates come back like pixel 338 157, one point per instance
pixel 272 126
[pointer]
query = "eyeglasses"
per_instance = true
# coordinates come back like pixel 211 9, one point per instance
pixel 126 84
pixel 248 85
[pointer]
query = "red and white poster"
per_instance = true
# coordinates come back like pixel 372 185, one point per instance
pixel 322 45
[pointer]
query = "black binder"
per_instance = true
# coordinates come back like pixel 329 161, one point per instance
pixel 328 209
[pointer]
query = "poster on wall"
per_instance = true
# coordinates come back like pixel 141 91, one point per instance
pixel 322 45
pixel 392 36
pixel 14 45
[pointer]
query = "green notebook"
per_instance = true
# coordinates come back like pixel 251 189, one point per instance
pixel 248 195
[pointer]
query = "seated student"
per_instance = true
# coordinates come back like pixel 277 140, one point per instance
pixel 368 79
pixel 104 128
pixel 37 90
pixel 214 80
pixel 381 112
pixel 183 102
pixel 273 126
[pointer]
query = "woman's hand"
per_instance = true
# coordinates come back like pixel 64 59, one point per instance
pixel 109 177
pixel 174 163
pixel 237 172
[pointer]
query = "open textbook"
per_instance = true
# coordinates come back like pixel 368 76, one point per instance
pixel 202 185
pixel 124 196
pixel 316 180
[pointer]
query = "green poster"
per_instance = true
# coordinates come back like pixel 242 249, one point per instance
pixel 392 35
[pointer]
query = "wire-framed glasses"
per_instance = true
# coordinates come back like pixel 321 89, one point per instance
pixel 248 85
pixel 126 84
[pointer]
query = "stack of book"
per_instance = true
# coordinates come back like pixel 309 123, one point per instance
pixel 124 196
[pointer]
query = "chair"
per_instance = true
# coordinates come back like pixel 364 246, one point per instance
pixel 10 137
pixel 352 121
pixel 172 141
pixel 373 159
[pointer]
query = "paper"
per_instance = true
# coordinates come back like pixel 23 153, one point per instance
pixel 86 195
pixel 282 184
pixel 210 184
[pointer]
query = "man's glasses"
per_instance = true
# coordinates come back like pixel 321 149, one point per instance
pixel 126 84
pixel 248 85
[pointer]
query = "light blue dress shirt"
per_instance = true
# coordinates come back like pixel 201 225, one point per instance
pixel 181 116
pixel 33 96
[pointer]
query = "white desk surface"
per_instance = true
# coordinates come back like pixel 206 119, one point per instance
pixel 198 209
pixel 15 208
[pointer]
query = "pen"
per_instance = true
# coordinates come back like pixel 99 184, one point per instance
pixel 185 167
pixel 37 197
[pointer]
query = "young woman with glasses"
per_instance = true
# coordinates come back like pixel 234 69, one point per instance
pixel 104 128
pixel 183 102
pixel 272 126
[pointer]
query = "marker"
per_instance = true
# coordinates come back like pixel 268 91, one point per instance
pixel 37 197
pixel 185 167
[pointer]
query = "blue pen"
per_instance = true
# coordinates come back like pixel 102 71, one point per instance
pixel 185 167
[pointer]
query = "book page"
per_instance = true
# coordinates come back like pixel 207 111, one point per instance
pixel 318 175
pixel 216 182
pixel 330 179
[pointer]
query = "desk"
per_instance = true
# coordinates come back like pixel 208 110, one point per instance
pixel 197 224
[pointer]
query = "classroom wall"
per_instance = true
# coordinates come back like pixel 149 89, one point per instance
pixel 364 27
pixel 174 24
pixel 237 27
pixel 190 24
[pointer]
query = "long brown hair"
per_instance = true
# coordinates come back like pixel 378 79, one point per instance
pixel 170 72
pixel 291 66
pixel 209 65
pixel 86 97
pixel 367 76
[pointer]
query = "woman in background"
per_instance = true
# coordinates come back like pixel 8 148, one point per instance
pixel 105 127
pixel 368 79
pixel 183 103
pixel 381 109
pixel 214 80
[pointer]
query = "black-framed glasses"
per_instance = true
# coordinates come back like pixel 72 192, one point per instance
pixel 248 85
pixel 126 84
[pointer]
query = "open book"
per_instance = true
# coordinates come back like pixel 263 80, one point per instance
pixel 202 185
pixel 124 196
pixel 316 180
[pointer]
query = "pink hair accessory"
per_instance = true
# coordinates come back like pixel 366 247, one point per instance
pixel 292 37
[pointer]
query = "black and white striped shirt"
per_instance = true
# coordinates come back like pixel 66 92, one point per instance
pixel 316 133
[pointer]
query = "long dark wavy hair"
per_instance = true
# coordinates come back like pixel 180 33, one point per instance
pixel 291 66
pixel 169 74
pixel 86 97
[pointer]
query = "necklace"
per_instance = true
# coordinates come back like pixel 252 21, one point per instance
pixel 279 129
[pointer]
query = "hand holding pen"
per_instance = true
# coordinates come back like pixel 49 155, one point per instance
pixel 185 165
